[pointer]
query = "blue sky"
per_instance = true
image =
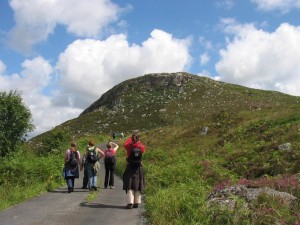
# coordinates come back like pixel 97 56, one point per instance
pixel 64 54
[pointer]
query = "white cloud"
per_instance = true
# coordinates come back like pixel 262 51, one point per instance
pixel 2 67
pixel 227 4
pixel 47 115
pixel 205 73
pixel 280 5
pixel 260 59
pixel 32 78
pixel 205 43
pixel 86 18
pixel 89 67
pixel 32 81
pixel 36 19
pixel 204 59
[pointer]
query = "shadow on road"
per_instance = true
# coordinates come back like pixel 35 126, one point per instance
pixel 65 190
pixel 101 206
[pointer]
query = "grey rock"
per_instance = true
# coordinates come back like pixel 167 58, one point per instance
pixel 203 131
pixel 285 147
pixel 225 196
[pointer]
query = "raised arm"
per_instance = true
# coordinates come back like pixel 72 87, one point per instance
pixel 114 145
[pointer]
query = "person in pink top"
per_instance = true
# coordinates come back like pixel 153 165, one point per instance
pixel 110 164
pixel 133 177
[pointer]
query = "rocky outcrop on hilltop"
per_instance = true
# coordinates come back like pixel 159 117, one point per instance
pixel 149 82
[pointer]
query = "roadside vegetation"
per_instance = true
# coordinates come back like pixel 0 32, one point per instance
pixel 27 173
pixel 182 174
pixel 36 167
pixel 246 129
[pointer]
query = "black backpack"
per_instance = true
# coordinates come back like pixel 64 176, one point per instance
pixel 73 160
pixel 109 157
pixel 92 155
pixel 135 157
pixel 109 160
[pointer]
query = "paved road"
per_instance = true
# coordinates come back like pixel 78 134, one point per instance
pixel 61 208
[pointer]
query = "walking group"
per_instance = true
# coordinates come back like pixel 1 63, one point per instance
pixel 133 176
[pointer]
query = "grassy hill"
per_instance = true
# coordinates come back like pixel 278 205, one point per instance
pixel 245 131
pixel 158 100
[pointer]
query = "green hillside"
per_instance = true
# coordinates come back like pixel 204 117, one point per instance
pixel 156 100
pixel 252 139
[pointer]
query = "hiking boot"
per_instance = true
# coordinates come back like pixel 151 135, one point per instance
pixel 135 205
pixel 129 206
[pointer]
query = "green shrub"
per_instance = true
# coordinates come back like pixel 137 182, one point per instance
pixel 15 122
pixel 36 173
pixel 53 141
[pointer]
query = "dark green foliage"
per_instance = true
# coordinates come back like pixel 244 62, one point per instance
pixel 53 141
pixel 24 170
pixel 27 175
pixel 15 122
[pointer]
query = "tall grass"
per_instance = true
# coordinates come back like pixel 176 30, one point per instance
pixel 26 175
pixel 183 168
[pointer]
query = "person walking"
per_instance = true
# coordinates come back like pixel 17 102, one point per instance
pixel 110 164
pixel 114 134
pixel 133 177
pixel 93 154
pixel 121 135
pixel 72 160
pixel 83 166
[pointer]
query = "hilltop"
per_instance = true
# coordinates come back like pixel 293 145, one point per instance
pixel 157 100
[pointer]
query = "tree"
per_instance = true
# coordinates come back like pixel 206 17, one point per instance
pixel 15 121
